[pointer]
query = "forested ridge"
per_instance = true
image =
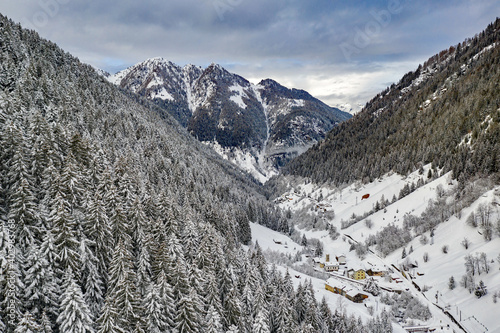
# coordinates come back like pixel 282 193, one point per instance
pixel 113 219
pixel 447 113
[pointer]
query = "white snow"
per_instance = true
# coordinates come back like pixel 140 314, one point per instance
pixel 163 94
pixel 237 95
pixel 261 157
pixel 270 240
pixel 296 102
pixel 476 314
pixel 348 107
pixel 486 49
pixel 244 159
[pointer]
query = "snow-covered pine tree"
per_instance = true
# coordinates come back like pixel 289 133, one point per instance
pixel 11 287
pixel 41 294
pixel 21 200
pixel 98 229
pixel 260 324
pixel 108 322
pixel 122 290
pixel 166 294
pixel 232 308
pixel 212 296
pixel 45 324
pixel 74 314
pixel 213 321
pixel 154 311
pixel 90 277
pixel 187 319
pixel 64 233
pixel 27 324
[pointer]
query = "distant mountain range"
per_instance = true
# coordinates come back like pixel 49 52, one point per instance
pixel 258 127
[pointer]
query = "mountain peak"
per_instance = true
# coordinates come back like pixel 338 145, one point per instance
pixel 269 83
pixel 268 123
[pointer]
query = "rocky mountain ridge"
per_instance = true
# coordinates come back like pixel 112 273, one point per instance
pixel 258 127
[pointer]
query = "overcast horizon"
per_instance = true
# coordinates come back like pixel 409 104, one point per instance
pixel 339 51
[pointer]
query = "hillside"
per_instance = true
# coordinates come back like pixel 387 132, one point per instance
pixel 258 127
pixel 446 112
pixel 425 232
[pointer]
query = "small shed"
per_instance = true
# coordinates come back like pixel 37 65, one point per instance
pixel 341 259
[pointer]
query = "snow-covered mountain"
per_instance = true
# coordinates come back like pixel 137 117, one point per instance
pixel 258 127
pixel 349 108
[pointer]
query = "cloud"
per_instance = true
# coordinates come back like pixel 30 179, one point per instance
pixel 335 49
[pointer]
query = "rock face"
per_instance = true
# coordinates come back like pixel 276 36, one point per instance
pixel 258 127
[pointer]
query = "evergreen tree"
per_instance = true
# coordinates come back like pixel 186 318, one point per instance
pixel 90 277
pixel 22 206
pixel 99 230
pixel 190 240
pixel 260 324
pixel 166 294
pixel 154 311
pixel 213 322
pixel 74 315
pixel 187 319
pixel 122 290
pixel 42 292
pixel 451 283
pixel 212 297
pixel 118 218
pixel 45 324
pixel 232 308
pixel 64 231
pixel 11 288
pixel 386 322
pixel 27 324
pixel 108 321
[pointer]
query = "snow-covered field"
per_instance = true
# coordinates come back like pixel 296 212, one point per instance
pixel 474 314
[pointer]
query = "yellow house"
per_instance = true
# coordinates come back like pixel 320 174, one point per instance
pixel 359 274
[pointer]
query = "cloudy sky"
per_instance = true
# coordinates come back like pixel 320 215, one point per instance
pixel 338 50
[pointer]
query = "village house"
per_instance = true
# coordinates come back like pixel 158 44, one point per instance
pixel 359 274
pixel 326 264
pixel 349 292
pixel 375 271
pixel 331 267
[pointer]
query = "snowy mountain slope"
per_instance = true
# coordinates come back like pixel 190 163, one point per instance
pixel 419 120
pixel 335 207
pixel 302 197
pixel 258 127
